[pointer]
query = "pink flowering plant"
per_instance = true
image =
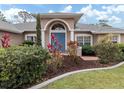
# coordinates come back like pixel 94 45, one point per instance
pixel 55 49
pixel 55 45
pixel 5 40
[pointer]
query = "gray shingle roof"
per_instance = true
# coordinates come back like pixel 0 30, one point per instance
pixel 9 27
pixel 98 28
pixel 31 26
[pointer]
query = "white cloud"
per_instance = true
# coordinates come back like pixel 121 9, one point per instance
pixel 114 8
pixel 10 13
pixel 87 10
pixel 115 20
pixel 100 15
pixel 50 11
pixel 67 9
pixel 90 12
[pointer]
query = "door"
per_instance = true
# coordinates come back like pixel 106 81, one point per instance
pixel 61 39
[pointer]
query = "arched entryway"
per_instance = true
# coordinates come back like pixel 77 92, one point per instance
pixel 59 30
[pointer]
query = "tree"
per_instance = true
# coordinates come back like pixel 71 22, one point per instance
pixel 104 23
pixel 25 16
pixel 38 30
pixel 2 17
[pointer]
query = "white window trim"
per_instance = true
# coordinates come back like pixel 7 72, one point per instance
pixel 29 35
pixel 91 42
pixel 119 37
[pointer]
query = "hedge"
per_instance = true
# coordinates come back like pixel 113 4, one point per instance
pixel 88 50
pixel 108 52
pixel 21 66
pixel 27 42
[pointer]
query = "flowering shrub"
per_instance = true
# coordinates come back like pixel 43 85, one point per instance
pixel 55 45
pixel 5 40
pixel 55 49
pixel 72 50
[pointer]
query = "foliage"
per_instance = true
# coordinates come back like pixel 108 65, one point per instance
pixel 72 50
pixel 121 46
pixel 22 66
pixel 55 45
pixel 88 50
pixel 108 51
pixel 5 40
pixel 38 29
pixel 2 17
pixel 25 16
pixel 27 42
pixel 54 48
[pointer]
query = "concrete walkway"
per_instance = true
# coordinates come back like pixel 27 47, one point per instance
pixel 90 58
pixel 45 83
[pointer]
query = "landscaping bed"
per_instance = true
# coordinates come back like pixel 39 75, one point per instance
pixel 69 66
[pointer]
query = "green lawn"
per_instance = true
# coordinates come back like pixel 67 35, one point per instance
pixel 113 78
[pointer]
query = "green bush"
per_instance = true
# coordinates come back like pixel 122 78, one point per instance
pixel 108 52
pixel 22 66
pixel 121 46
pixel 27 42
pixel 88 50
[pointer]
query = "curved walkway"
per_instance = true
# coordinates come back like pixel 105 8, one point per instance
pixel 45 83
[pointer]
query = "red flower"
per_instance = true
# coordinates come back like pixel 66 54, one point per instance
pixel 5 40
pixel 49 46
pixel 52 36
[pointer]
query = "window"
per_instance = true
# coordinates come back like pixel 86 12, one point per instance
pixel 115 39
pixel 31 38
pixel 84 40
pixel 87 40
pixel 58 27
pixel 80 40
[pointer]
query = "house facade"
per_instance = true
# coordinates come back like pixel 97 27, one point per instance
pixel 64 26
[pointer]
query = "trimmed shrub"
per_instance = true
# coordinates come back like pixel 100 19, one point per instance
pixel 121 46
pixel 88 50
pixel 22 66
pixel 108 51
pixel 27 42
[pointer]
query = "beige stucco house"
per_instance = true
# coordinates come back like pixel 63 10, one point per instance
pixel 64 26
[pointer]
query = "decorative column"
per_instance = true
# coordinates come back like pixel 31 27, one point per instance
pixel 43 38
pixel 72 35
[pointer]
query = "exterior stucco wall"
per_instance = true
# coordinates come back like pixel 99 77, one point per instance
pixel 46 38
pixel 70 22
pixel 97 37
pixel 122 38
pixel 15 39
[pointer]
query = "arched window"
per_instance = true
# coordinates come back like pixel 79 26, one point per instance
pixel 58 27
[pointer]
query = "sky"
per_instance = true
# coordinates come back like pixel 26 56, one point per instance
pixel 92 12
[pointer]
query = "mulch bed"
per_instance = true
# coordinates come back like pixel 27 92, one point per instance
pixel 69 66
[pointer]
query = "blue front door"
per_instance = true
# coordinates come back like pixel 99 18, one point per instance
pixel 61 39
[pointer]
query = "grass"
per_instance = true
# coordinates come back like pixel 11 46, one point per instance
pixel 102 79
